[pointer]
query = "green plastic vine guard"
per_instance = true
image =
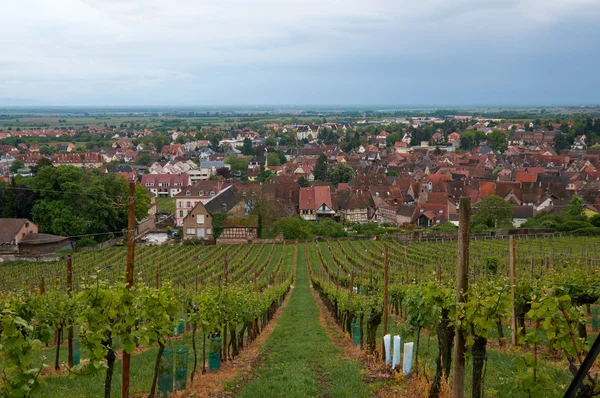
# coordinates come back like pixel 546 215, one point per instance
pixel 356 334
pixel 181 327
pixel 214 355
pixel 76 352
pixel 165 381
pixel 181 367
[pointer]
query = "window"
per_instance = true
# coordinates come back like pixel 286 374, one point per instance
pixel 180 204
pixel 208 231
pixel 201 193
pixel 190 231
pixel 188 193
pixel 212 193
pixel 189 204
pixel 200 219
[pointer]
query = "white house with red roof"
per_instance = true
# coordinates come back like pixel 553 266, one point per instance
pixel 165 185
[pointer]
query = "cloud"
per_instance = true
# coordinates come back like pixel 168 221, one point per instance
pixel 107 50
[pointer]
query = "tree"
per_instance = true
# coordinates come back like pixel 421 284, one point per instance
pixel 266 212
pixel 270 141
pixel 321 168
pixel 282 158
pixel 43 162
pixel 303 182
pixel 16 165
pixel 294 228
pixel 575 210
pixel 159 141
pixel 497 140
pixel 74 201
pixel 247 147
pixel 239 165
pixel 8 205
pixel 224 172
pixel 341 173
pixel 493 212
pixel 214 143
pixel 273 159
pixel 264 176
pixel 144 160
pixel 46 150
pixel 467 140
pixel 329 228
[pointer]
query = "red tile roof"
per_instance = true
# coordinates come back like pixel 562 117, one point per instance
pixel 312 198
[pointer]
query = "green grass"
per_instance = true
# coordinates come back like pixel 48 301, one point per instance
pixel 93 385
pixel 501 370
pixel 299 359
pixel 165 205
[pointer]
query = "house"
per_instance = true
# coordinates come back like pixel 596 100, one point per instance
pixel 36 244
pixel 20 236
pixel 82 160
pixel 172 151
pixel 238 230
pixel 305 132
pixel 197 223
pixel 381 139
pixel 521 214
pixel 166 185
pixel 355 206
pixel 454 139
pixel 200 192
pixel 579 143
pixel 13 231
pixel 208 169
pixel 437 138
pixel 315 203
pixel 429 214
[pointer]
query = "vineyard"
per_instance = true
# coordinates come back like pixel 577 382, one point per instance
pixel 225 295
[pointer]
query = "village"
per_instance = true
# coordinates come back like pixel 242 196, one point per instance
pixel 405 172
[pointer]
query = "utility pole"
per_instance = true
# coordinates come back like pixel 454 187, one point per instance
pixel 385 300
pixel 129 276
pixel 513 282
pixel 462 284
pixel 69 291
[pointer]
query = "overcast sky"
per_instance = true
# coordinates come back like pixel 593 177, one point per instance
pixel 294 52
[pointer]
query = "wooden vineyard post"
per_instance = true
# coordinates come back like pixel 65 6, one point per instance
pixel 385 300
pixel 438 271
pixel 69 291
pixel 225 350
pixel 513 283
pixel 462 284
pixel 129 276
pixel 531 271
pixel 42 287
pixel 406 263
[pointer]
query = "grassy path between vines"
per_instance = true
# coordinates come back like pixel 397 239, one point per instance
pixel 299 359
